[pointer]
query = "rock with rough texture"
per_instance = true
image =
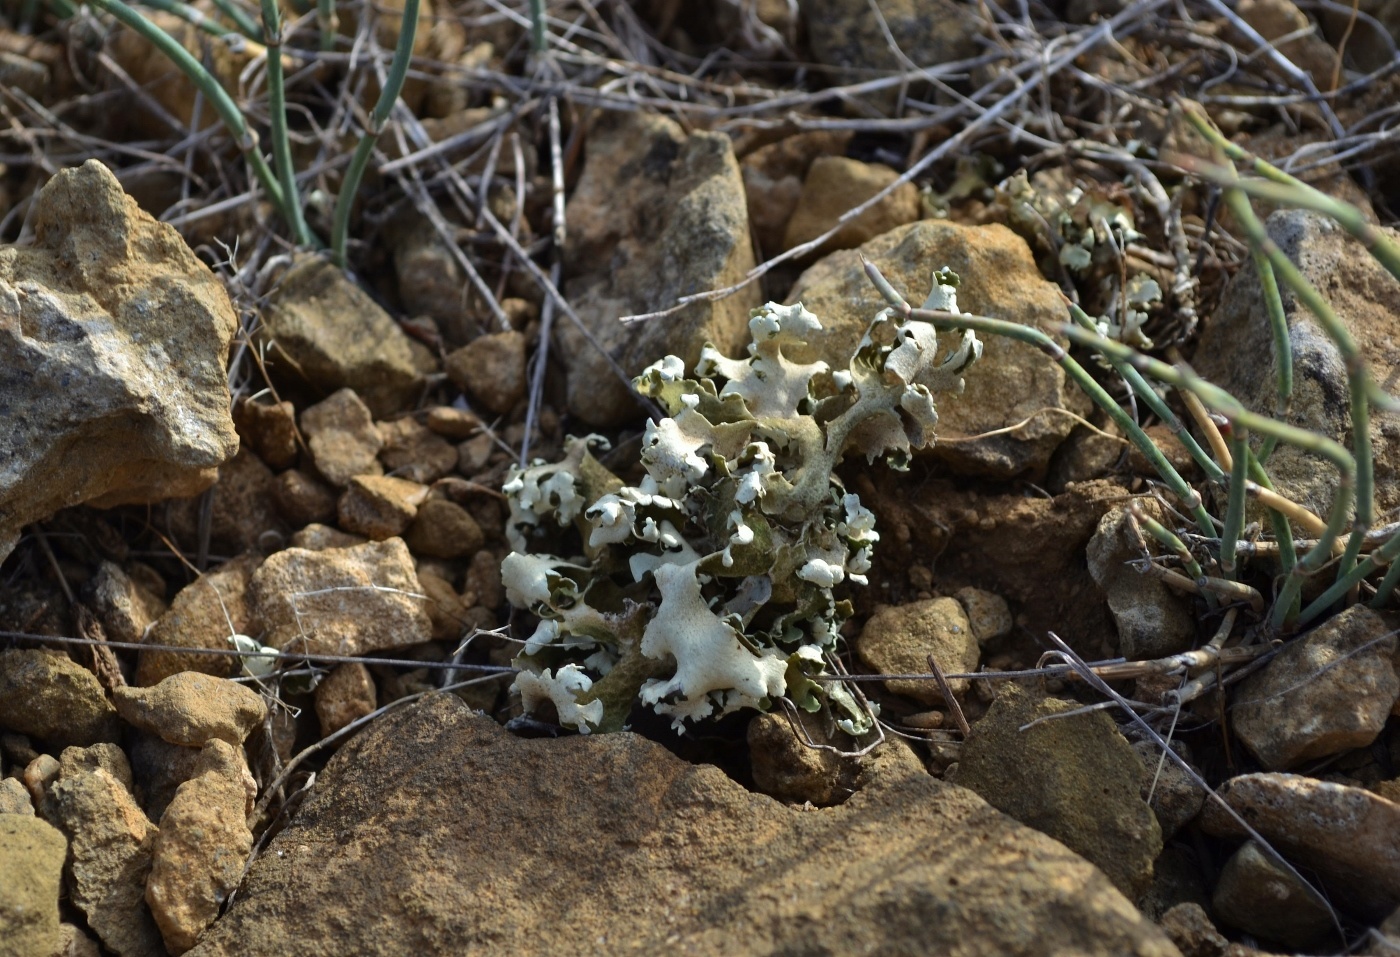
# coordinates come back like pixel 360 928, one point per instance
pixel 38 775
pixel 341 601
pixel 1012 382
pixel 110 842
pixel 1175 798
pixel 113 340
pixel 789 769
pixel 1261 898
pixel 323 333
pixel 444 529
pixel 31 858
pixel 490 370
pixel 205 614
pixel 303 499
pixel 1363 295
pixel 1073 777
pixel 773 176
pixel 318 538
pixel 836 184
pixel 49 696
pixel 848 38
pixel 125 607
pixel 1153 620
pixel 898 641
pixel 1329 691
pixel 656 215
pixel 379 506
pixel 412 451
pixel 608 844
pixel 242 514
pixel 73 942
pixel 192 709
pixel 202 846
pixel 1348 837
pixel 14 798
pixel 343 440
pixel 987 613
pixel 343 696
pixel 270 429
pixel 158 768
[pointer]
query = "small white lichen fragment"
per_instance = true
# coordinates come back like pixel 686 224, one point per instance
pixel 561 689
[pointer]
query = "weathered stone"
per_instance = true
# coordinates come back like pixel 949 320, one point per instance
pixel 302 499
pixel 205 614
pixel 323 333
pixel 411 451
pixel 773 176
pixel 318 538
pixel 1363 295
pixel 449 617
pixel 789 769
pixel 1175 798
pixel 125 607
pixel 192 709
pixel 343 696
pixel 49 696
pixel 834 185
pixel 38 775
pixel 898 641
pixel 242 514
pixel 203 844
pixel 656 215
pixel 1073 777
pixel 1347 836
pixel 491 370
pixel 31 858
pixel 110 842
pixel 452 423
pixel 1328 691
pixel 1261 898
pixel 342 601
pixel 270 429
pixel 1012 382
pixel 113 340
pixel 1153 621
pixel 342 438
pixel 444 529
pixel 639 847
pixel 14 798
pixel 379 506
pixel 987 613
pixel 158 768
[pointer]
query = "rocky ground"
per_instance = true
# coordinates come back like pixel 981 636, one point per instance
pixel 255 650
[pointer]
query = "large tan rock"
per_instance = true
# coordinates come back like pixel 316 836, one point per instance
pixel 192 709
pixel 206 613
pixel 836 184
pixel 49 696
pixel 113 340
pixel 31 858
pixel 1012 381
pixel 609 844
pixel 657 215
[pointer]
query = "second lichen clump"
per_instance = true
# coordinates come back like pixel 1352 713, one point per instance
pixel 708 586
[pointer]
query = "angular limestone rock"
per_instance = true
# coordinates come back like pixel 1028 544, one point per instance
pixel 31 858
pixel 192 709
pixel 49 696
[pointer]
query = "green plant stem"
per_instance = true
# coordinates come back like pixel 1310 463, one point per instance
pixel 277 110
pixel 1278 323
pixel 1379 558
pixel 327 23
pixel 223 104
pixel 240 19
pixel 1392 574
pixel 1283 532
pixel 539 38
pixel 1144 391
pixel 1169 539
pixel 1234 508
pixel 388 95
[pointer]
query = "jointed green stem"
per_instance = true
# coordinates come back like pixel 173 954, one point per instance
pixel 277 109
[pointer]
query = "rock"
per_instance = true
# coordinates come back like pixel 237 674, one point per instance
pixel 474 455
pixel 1328 691
pixel 430 279
pixel 682 229
pixel 302 499
pixel 243 516
pixel 204 614
pixel 639 847
pixel 318 538
pixel 158 768
pixel 1384 941
pixel 1012 381
pixel 125 608
pixel 452 423
pixel 49 696
pixel 987 613
pixel 14 798
pixel 1153 620
pixel 112 352
pixel 191 709
pixel 847 38
pixel 74 943
pixel 899 640
pixel 378 506
pixel 1190 929
pixel 787 768
pixel 203 844
pixel 1363 295
pixel 1346 835
pixel 773 176
pixel 342 601
pixel 31 858
pixel 444 529
pixel 483 587
pixel 834 185
pixel 491 370
pixel 449 617
pixel 1302 42
pixel 38 775
pixel 1261 898
pixel 1072 777
pixel 412 452
pixel 323 333
pixel 1174 797
pixel 341 436
pixel 344 696
pixel 110 844
pixel 270 430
